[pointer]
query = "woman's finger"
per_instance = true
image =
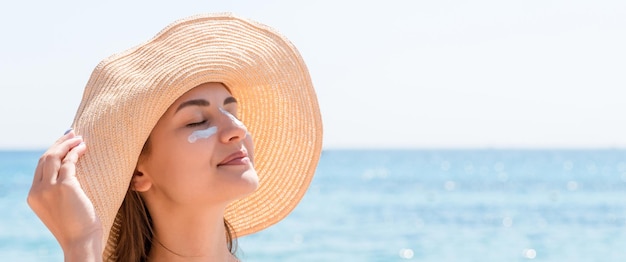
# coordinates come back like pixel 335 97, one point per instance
pixel 39 170
pixel 68 165
pixel 69 134
pixel 52 159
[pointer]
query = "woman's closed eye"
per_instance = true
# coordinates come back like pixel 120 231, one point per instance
pixel 194 124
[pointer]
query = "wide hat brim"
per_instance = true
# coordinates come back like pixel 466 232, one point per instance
pixel 128 93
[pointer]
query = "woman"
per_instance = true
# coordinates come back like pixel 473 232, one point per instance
pixel 159 165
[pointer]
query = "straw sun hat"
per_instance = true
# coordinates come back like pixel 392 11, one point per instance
pixel 128 93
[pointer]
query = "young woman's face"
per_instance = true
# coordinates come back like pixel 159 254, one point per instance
pixel 198 152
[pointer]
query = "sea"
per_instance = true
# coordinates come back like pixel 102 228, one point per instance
pixel 409 205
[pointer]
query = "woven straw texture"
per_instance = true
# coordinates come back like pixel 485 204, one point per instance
pixel 128 92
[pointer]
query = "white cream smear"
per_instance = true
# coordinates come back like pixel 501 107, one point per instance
pixel 233 118
pixel 206 133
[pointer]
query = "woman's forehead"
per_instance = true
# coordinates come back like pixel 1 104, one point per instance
pixel 207 90
pixel 204 95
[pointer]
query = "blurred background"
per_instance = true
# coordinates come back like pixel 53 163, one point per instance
pixel 453 131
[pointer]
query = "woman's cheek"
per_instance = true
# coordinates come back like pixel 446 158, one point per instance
pixel 247 142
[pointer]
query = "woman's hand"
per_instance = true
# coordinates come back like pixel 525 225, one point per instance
pixel 58 199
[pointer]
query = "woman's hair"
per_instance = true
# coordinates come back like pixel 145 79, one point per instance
pixel 136 233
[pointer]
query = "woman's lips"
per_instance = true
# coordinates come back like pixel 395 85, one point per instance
pixel 237 158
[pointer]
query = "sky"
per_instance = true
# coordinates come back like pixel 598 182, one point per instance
pixel 388 74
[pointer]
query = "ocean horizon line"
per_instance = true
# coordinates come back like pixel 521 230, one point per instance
pixel 327 149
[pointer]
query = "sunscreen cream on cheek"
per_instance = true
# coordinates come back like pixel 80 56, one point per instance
pixel 198 134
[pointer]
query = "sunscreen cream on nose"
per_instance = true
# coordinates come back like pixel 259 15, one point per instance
pixel 205 133
pixel 233 118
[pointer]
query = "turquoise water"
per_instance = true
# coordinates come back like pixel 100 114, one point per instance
pixel 413 205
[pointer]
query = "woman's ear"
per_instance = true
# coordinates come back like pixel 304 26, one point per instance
pixel 140 182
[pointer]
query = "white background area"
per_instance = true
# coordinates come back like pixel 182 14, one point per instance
pixel 388 74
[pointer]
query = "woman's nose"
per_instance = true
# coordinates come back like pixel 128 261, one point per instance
pixel 232 130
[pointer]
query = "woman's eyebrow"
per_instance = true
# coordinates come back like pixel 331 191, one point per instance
pixel 194 102
pixel 229 100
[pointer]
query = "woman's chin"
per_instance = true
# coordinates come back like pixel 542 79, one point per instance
pixel 250 181
pixel 245 185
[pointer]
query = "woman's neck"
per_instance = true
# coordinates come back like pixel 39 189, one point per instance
pixel 189 235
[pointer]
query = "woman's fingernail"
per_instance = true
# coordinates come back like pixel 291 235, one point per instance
pixel 68 131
